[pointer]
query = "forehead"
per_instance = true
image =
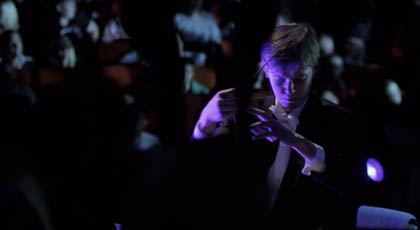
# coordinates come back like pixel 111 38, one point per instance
pixel 68 1
pixel 289 70
pixel 15 36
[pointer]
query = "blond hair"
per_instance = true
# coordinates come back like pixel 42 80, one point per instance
pixel 291 43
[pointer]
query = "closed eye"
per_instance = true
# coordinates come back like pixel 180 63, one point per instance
pixel 279 79
pixel 300 79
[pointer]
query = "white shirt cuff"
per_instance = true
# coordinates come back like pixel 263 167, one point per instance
pixel 317 164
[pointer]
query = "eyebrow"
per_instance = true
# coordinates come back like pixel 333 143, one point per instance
pixel 300 74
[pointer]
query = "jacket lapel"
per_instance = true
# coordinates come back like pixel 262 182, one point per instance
pixel 309 121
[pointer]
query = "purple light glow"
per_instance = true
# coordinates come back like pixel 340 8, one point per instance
pixel 375 170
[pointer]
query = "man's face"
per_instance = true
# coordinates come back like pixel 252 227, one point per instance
pixel 15 45
pixel 67 8
pixel 290 83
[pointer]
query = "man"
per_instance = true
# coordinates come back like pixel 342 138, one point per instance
pixel 313 159
pixel 74 21
pixel 67 21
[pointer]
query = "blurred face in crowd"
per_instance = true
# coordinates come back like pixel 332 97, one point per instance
pixel 15 45
pixel 393 92
pixel 290 83
pixel 326 43
pixel 9 18
pixel 67 53
pixel 67 8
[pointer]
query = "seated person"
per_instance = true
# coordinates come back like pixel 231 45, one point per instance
pixel 9 17
pixel 16 67
pixel 67 20
pixel 199 37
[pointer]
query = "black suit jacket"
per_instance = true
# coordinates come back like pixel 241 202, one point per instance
pixel 227 182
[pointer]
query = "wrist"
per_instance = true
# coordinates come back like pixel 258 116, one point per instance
pixel 304 147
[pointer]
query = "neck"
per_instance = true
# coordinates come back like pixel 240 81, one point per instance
pixel 297 109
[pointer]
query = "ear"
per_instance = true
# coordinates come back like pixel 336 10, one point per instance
pixel 58 7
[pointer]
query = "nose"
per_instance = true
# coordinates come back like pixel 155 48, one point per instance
pixel 289 86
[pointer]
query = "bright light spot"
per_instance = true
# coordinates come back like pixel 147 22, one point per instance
pixel 375 170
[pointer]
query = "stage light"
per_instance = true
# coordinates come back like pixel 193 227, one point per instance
pixel 375 170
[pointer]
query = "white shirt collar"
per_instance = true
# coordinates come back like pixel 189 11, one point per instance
pixel 277 109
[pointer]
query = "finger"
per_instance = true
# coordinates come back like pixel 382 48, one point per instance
pixel 227 102
pixel 261 135
pixel 271 139
pixel 256 111
pixel 260 125
pixel 227 93
pixel 228 114
pixel 257 130
pixel 228 108
pixel 262 115
pixel 255 125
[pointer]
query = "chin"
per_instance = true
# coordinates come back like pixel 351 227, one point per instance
pixel 287 105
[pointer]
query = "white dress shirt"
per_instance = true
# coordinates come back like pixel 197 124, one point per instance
pixel 279 166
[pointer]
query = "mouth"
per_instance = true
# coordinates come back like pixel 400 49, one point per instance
pixel 289 100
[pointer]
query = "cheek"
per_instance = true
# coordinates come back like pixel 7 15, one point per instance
pixel 276 87
pixel 301 88
pixel 307 87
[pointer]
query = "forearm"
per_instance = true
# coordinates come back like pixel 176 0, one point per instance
pixel 304 147
pixel 313 154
